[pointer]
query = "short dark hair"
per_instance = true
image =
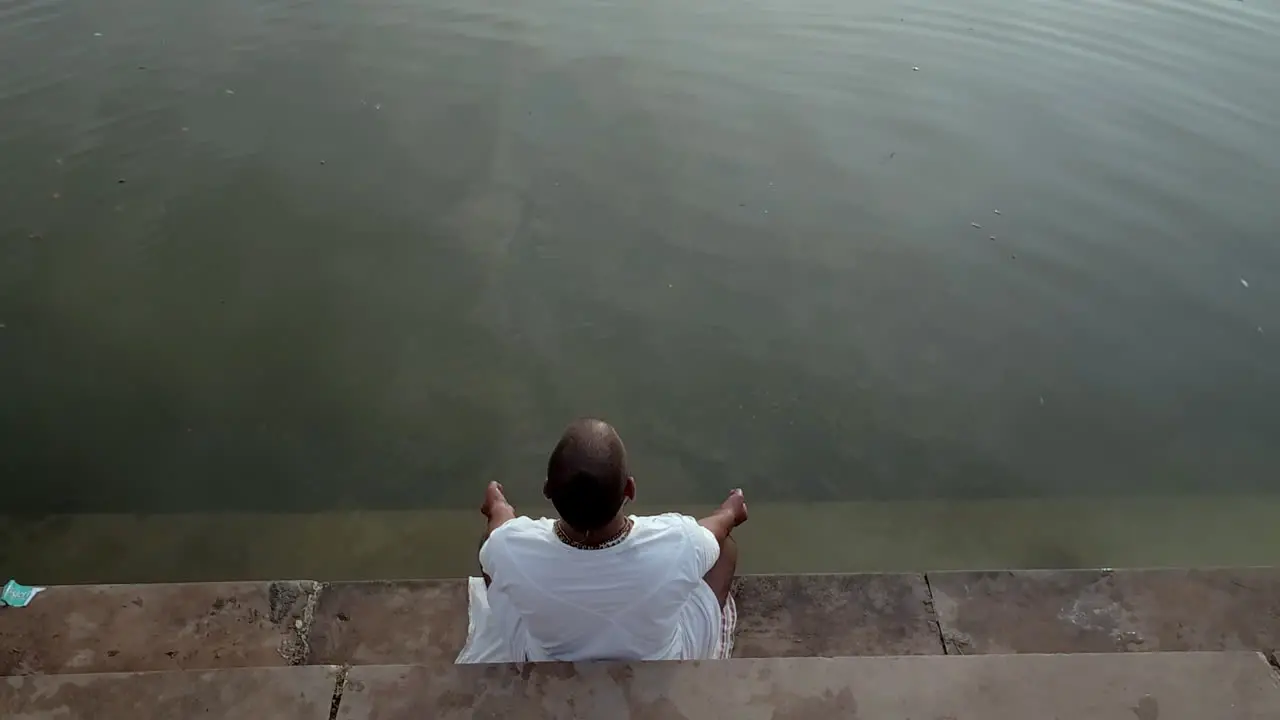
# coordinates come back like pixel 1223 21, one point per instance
pixel 587 474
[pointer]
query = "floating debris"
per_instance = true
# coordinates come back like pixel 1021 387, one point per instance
pixel 186 129
pixel 97 34
pixel 377 106
pixel 321 162
pixel 992 238
pixel 915 69
pixel 57 195
pixel 229 91
pixel 1041 400
pixel 976 225
pixel 35 236
pixel 142 67
pixel 1013 257
pixel 1259 329
pixel 121 181
pixel 996 212
pixel 1244 282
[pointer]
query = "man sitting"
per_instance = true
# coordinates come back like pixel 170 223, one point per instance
pixel 601 585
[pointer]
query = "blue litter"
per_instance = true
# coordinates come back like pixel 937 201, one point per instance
pixel 15 595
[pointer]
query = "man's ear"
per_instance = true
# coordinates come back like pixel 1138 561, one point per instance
pixel 629 492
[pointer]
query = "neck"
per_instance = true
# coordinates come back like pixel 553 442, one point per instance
pixel 596 536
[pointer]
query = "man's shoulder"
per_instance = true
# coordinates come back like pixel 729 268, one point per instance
pixel 666 522
pixel 523 526
pixel 516 537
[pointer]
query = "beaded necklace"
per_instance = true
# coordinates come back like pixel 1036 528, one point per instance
pixel 622 535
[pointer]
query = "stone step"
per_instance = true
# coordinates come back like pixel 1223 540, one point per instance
pixel 1145 686
pixel 123 628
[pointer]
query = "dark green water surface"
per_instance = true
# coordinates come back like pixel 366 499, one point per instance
pixel 293 255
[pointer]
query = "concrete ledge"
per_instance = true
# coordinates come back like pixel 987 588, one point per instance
pixel 1150 686
pixel 1108 611
pixel 119 628
pixel 833 615
pixel 410 622
pixel 1146 686
pixel 231 694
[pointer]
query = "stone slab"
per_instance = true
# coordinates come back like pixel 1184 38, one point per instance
pixel 297 693
pixel 1150 686
pixel 834 615
pixel 1108 611
pixel 425 621
pixel 122 628
pixel 421 622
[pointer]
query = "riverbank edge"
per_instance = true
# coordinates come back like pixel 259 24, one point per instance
pixel 77 629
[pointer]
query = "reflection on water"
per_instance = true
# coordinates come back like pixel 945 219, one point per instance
pixel 291 255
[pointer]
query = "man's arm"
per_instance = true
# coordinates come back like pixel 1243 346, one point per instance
pixel 497 512
pixel 496 509
pixel 730 514
pixel 500 515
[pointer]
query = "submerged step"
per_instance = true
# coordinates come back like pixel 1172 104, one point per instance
pixel 1147 686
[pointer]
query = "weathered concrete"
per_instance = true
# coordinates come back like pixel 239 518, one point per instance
pixel 424 622
pixel 832 615
pixel 118 628
pixel 1108 611
pixel 300 693
pixel 420 622
pixel 115 628
pixel 1167 686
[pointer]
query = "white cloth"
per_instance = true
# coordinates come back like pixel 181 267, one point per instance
pixel 642 599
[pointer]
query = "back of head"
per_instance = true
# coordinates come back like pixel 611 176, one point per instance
pixel 587 475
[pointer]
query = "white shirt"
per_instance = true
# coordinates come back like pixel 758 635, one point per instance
pixel 626 602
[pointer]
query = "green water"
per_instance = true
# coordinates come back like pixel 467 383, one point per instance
pixel 292 256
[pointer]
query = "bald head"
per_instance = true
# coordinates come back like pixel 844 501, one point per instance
pixel 587 478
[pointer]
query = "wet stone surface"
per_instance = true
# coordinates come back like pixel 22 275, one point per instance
pixel 227 694
pixel 1108 611
pixel 393 622
pixel 1170 686
pixel 117 628
pixel 834 615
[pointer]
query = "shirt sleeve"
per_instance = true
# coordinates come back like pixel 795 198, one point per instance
pixel 492 552
pixel 705 548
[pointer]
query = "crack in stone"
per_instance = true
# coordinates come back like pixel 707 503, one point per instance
pixel 295 647
pixel 932 610
pixel 339 687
